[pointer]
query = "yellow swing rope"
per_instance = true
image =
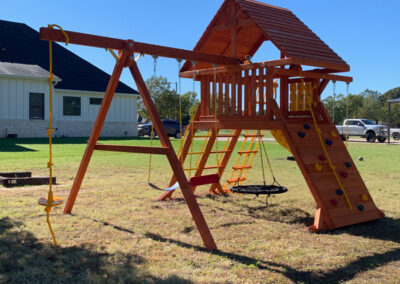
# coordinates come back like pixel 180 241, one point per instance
pixel 318 131
pixel 51 200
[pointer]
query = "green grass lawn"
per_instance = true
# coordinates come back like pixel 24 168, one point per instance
pixel 119 233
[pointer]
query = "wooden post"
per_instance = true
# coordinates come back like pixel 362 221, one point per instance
pixel 94 135
pixel 284 92
pixel 173 160
pixel 220 94
pixel 270 92
pixel 233 94
pixel 239 93
pixel 253 88
pixel 227 94
pixel 261 103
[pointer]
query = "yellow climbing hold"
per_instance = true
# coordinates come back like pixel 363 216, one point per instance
pixel 333 134
pixel 318 167
pixel 364 197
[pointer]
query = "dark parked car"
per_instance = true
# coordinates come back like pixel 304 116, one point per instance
pixel 171 126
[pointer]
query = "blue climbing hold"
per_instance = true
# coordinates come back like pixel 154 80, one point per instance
pixel 348 164
pixel 339 192
pixel 328 142
pixel 301 134
pixel 306 126
pixel 360 207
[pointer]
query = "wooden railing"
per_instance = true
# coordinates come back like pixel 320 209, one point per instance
pixel 237 94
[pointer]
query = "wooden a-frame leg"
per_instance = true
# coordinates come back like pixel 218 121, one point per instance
pixel 94 135
pixel 189 140
pixel 176 166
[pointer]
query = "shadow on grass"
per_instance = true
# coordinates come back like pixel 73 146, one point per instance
pixel 338 275
pixel 24 259
pixel 386 229
pixel 11 145
pixel 105 223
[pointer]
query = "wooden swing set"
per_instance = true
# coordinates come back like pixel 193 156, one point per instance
pixel 237 94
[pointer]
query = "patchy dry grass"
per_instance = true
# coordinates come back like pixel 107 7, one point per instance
pixel 118 233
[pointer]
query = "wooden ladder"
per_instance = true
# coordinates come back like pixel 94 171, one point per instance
pixel 203 156
pixel 245 158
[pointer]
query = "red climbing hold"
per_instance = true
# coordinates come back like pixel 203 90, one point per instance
pixel 343 174
pixel 321 158
pixel 334 202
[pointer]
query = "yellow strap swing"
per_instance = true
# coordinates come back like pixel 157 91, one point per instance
pixel 51 200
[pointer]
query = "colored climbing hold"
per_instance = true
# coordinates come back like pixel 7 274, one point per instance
pixel 339 192
pixel 301 134
pixel 328 142
pixel 343 174
pixel 321 158
pixel 306 126
pixel 334 202
pixel 364 197
pixel 360 207
pixel 348 164
pixel 318 167
pixel 333 134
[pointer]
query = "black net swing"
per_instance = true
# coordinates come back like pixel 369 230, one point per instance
pixel 261 189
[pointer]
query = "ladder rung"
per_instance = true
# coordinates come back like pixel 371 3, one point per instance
pixel 242 167
pixel 226 135
pixel 211 152
pixel 202 136
pixel 247 152
pixel 212 167
pixel 253 135
pixel 236 179
pixel 220 151
pixel 195 153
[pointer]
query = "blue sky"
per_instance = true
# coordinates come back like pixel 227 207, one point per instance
pixel 365 33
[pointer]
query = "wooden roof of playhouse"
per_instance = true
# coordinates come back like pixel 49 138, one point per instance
pixel 249 23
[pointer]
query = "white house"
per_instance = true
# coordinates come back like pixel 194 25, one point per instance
pixel 78 90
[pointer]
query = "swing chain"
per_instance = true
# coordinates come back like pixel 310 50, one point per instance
pixel 155 57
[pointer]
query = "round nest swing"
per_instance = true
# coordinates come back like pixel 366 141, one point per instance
pixel 258 189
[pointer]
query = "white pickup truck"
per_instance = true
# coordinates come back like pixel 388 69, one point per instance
pixel 363 128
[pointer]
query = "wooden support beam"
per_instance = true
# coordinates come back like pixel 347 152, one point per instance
pixel 94 135
pixel 278 71
pixel 139 47
pixel 132 149
pixel 339 67
pixel 238 123
pixel 247 66
pixel 190 199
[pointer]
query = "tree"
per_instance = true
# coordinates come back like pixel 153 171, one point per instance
pixel 166 100
pixel 394 108
pixel 372 107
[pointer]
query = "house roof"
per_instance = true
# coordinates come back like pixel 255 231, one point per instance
pixel 20 43
pixel 257 22
pixel 24 70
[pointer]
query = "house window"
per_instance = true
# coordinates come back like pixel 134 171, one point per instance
pixel 95 101
pixel 72 106
pixel 36 106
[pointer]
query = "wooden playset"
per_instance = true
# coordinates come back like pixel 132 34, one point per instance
pixel 281 95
